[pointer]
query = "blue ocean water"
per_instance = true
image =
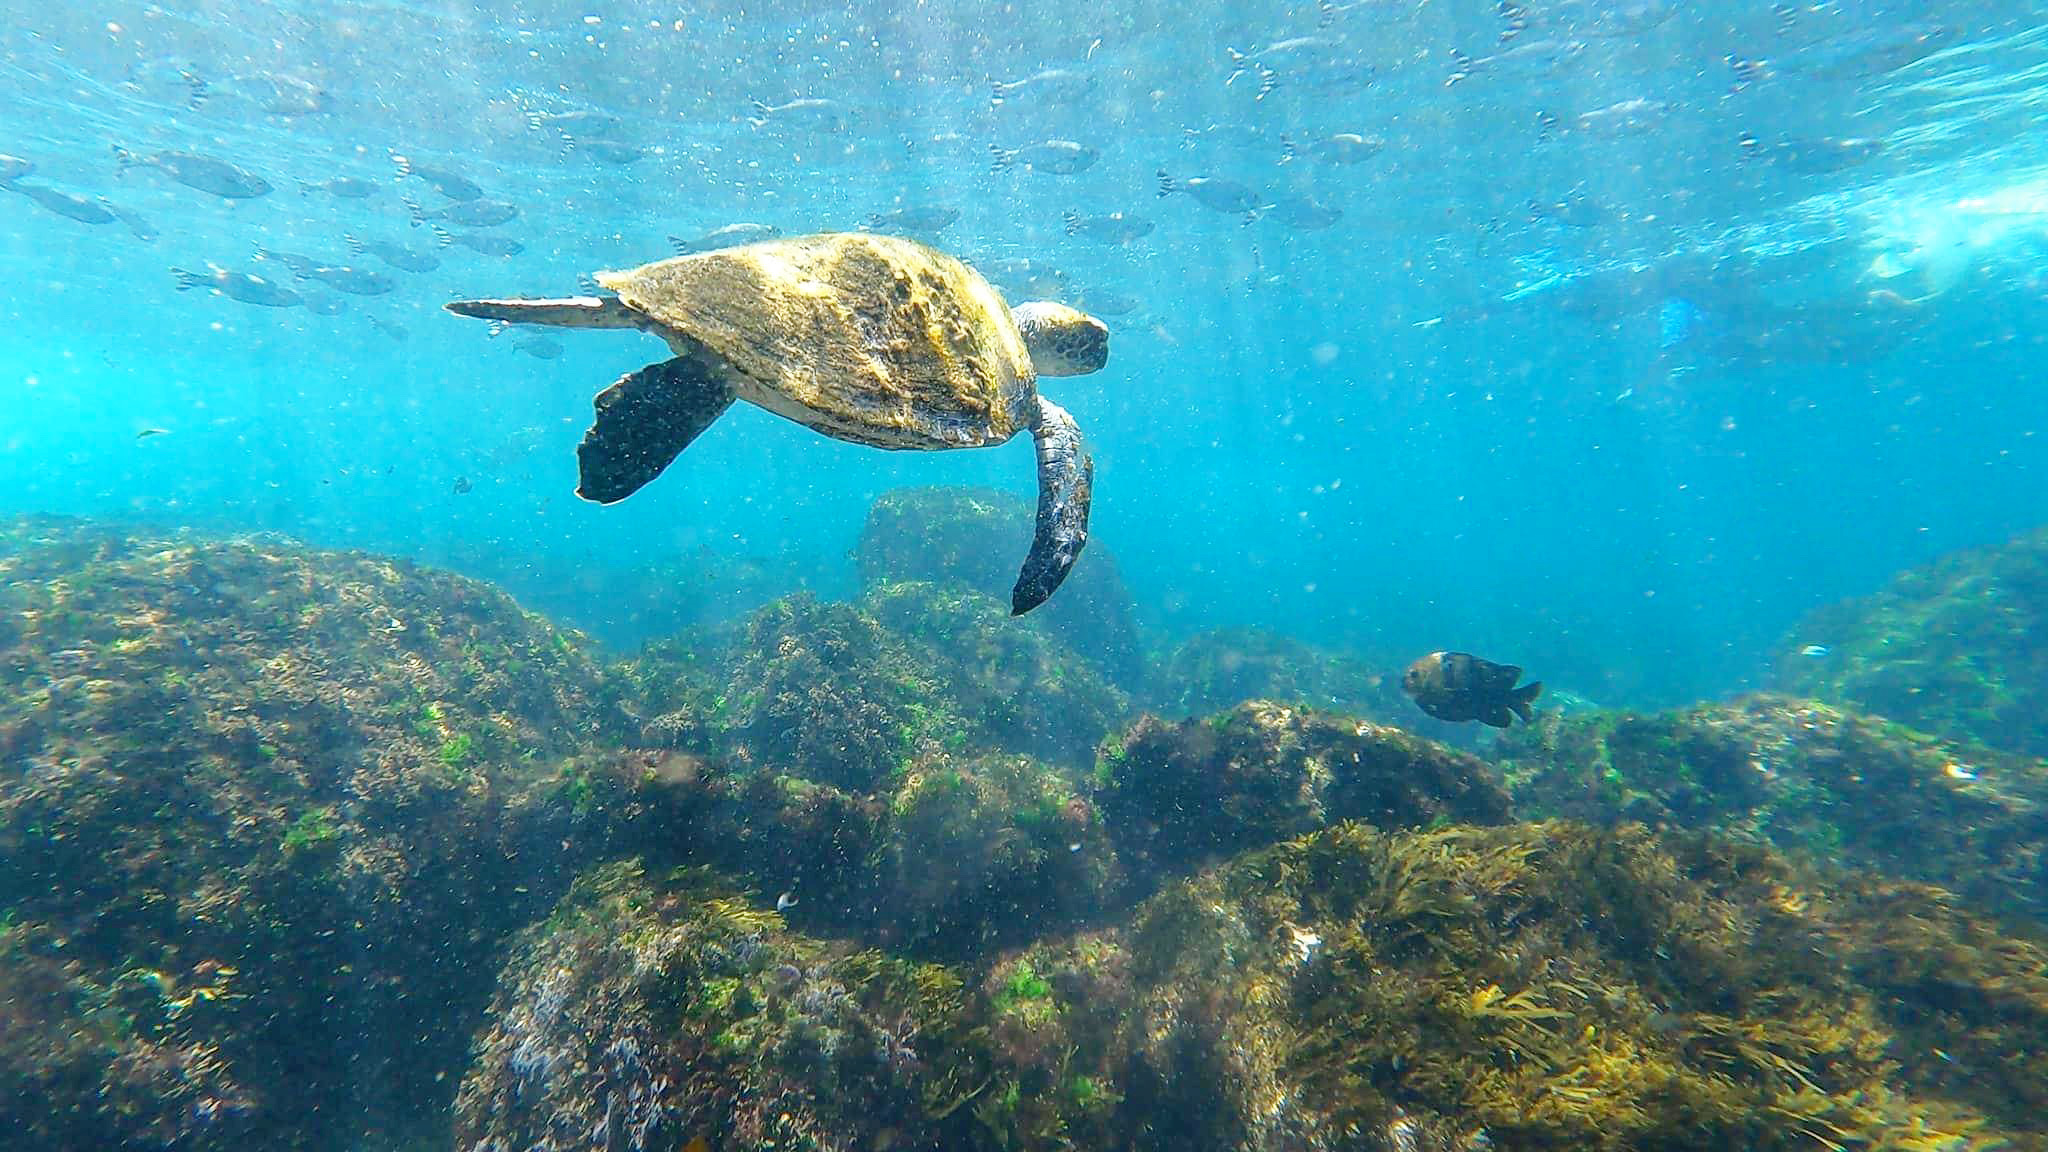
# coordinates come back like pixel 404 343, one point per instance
pixel 1604 338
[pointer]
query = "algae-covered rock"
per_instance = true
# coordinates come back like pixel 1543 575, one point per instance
pixel 1958 649
pixel 264 812
pixel 970 537
pixel 1811 780
pixel 1263 772
pixel 1530 987
pixel 847 694
pixel 644 1015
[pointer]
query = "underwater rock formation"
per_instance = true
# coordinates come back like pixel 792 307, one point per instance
pixel 1179 795
pixel 849 694
pixel 1541 986
pixel 643 1015
pixel 970 536
pixel 1813 781
pixel 265 811
pixel 1958 649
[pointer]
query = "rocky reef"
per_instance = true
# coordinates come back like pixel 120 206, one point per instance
pixel 1958 649
pixel 1811 780
pixel 971 538
pixel 904 872
pixel 1540 986
pixel 265 816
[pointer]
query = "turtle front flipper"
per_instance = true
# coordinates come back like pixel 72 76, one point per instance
pixel 643 422
pixel 1066 480
pixel 567 312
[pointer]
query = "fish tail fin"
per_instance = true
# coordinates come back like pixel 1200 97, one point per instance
pixel 678 244
pixel 1268 81
pixel 1073 222
pixel 761 114
pixel 1004 160
pixel 404 164
pixel 413 209
pixel 997 92
pixel 442 236
pixel 1288 151
pixel 124 159
pixel 306 189
pixel 355 246
pixel 1326 14
pixel 1520 699
pixel 1166 185
pixel 187 281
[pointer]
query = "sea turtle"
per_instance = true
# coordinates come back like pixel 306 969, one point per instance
pixel 869 338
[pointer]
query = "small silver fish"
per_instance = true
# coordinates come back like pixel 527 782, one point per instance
pixel 1109 227
pixel 726 236
pixel 1216 194
pixel 207 174
pixel 812 114
pixel 1051 86
pixel 468 213
pixel 915 218
pixel 453 185
pixel 342 187
pixel 1054 157
pixel 397 255
pixel 64 203
pixel 243 286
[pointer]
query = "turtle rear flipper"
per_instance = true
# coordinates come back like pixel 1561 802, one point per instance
pixel 1066 480
pixel 643 422
pixel 567 312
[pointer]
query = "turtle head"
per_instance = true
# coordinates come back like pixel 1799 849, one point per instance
pixel 1062 341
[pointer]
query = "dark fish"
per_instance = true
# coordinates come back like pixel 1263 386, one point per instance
pixel 453 185
pixel 147 433
pixel 728 236
pixel 608 151
pixel 299 265
pixel 1813 157
pixel 538 347
pixel 64 203
pixel 813 114
pixel 397 255
pixel 1306 213
pixel 1109 228
pixel 468 213
pixel 488 244
pixel 390 328
pixel 243 286
pixel 1056 157
pixel 462 486
pixel 228 181
pixel 1458 686
pixel 13 168
pixel 1215 193
pixel 1052 86
pixel 345 187
pixel 917 218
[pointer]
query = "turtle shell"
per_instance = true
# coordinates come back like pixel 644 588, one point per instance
pixel 868 338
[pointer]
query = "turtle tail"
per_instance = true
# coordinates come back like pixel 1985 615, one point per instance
pixel 1066 482
pixel 566 312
